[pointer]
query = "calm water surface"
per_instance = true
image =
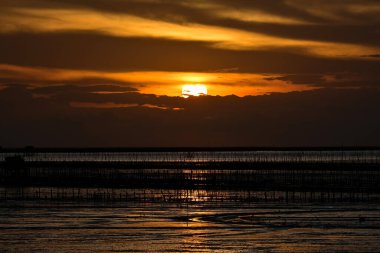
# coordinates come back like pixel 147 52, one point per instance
pixel 164 227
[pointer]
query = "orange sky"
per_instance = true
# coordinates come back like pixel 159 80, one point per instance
pixel 242 48
pixel 163 83
pixel 110 72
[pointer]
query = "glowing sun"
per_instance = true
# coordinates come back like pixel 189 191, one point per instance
pixel 194 90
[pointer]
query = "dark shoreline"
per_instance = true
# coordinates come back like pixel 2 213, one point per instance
pixel 31 149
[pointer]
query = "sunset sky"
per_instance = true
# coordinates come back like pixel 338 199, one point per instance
pixel 111 72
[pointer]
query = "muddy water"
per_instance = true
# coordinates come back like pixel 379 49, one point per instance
pixel 164 227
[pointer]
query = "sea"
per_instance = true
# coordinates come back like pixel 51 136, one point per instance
pixel 200 225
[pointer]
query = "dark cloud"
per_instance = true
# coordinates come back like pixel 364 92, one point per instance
pixel 300 118
pixel 65 94
pixel 337 80
pixel 99 82
pixel 313 79
pixel 373 56
pixel 107 53
pixel 345 33
pixel 81 89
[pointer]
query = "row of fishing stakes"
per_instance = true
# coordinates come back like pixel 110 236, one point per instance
pixel 192 176
pixel 336 156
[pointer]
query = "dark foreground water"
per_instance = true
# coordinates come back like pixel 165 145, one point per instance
pixel 167 227
pixel 320 201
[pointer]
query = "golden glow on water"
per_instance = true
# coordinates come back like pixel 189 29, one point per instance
pixel 233 227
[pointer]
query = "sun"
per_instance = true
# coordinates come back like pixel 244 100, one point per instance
pixel 194 90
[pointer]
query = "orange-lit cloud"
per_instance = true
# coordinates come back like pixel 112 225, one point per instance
pixel 243 14
pixel 161 83
pixel 110 105
pixel 54 20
